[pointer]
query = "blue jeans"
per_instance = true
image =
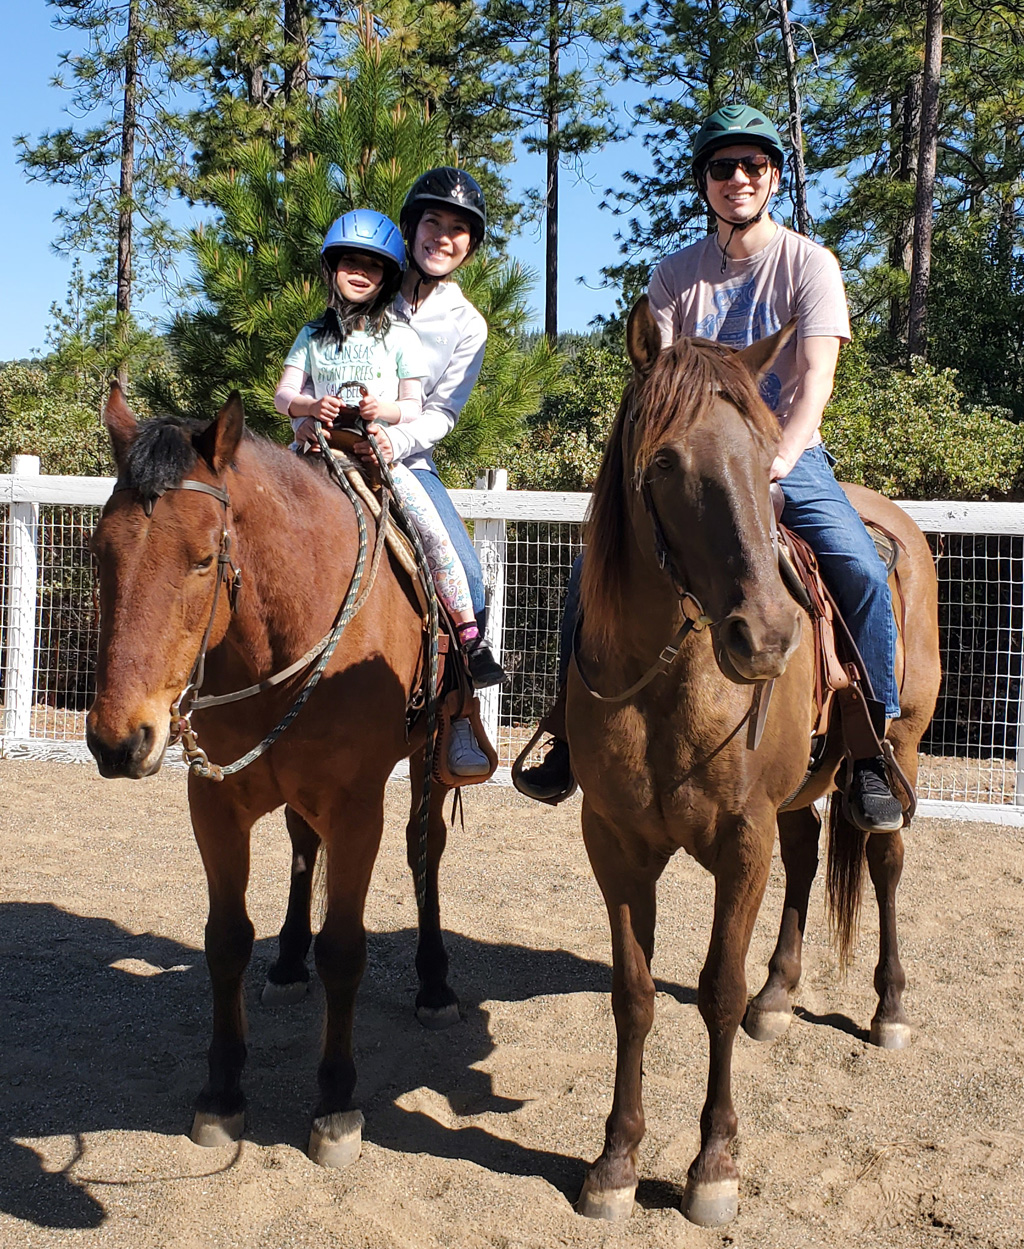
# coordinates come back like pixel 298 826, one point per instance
pixel 452 521
pixel 818 511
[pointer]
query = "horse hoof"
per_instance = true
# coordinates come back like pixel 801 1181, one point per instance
pixel 439 1017
pixel 214 1131
pixel 766 1025
pixel 890 1036
pixel 614 1205
pixel 284 994
pixel 336 1140
pixel 711 1205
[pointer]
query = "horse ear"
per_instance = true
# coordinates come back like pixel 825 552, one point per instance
pixel 759 356
pixel 120 422
pixel 643 338
pixel 218 443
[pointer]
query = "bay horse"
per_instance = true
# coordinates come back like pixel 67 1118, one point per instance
pixel 194 505
pixel 681 526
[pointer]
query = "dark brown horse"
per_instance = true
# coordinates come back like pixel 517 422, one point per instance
pixel 196 508
pixel 673 766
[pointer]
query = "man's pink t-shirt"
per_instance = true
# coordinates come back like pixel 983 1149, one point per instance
pixel 755 296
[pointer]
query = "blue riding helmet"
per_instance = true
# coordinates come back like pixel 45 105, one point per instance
pixel 364 230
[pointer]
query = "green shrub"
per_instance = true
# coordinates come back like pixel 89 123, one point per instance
pixel 912 435
pixel 562 446
pixel 37 417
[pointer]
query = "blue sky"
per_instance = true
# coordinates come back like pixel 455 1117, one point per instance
pixel 32 277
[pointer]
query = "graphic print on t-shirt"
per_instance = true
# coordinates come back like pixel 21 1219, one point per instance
pixel 351 362
pixel 737 321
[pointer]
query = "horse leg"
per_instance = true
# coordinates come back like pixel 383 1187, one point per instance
pixel 889 1027
pixel 223 840
pixel 288 976
pixel 770 1013
pixel 743 862
pixel 437 1005
pixel 351 846
pixel 629 893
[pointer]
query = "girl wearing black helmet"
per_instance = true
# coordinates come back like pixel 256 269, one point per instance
pixel 443 222
pixel 353 357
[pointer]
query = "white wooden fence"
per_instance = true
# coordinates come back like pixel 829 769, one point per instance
pixel 972 767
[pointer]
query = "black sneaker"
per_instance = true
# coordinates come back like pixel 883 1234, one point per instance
pixel 551 780
pixel 871 804
pixel 483 667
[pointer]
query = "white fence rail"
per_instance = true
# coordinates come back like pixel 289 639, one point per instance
pixel 972 757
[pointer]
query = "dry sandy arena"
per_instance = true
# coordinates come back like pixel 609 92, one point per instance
pixel 478 1136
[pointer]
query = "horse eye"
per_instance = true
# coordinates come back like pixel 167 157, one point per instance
pixel 201 565
pixel 664 461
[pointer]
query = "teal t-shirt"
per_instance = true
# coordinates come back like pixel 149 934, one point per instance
pixel 378 363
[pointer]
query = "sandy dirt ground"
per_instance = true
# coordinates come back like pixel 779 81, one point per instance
pixel 478 1136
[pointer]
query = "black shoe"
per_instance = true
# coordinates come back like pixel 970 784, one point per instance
pixel 871 804
pixel 483 667
pixel 551 780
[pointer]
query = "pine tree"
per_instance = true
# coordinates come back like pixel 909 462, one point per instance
pixel 555 62
pixel 123 167
pixel 258 266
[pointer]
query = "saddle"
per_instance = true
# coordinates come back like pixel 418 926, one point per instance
pixel 839 676
pixel 456 699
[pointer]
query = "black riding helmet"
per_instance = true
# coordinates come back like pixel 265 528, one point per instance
pixel 449 188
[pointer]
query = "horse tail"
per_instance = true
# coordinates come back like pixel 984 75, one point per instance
pixel 846 845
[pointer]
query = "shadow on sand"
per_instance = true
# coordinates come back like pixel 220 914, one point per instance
pixel 104 1029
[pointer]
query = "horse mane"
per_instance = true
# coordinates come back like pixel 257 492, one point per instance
pixel 164 452
pixel 685 382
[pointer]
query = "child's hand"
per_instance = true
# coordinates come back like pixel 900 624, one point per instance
pixel 370 407
pixel 326 409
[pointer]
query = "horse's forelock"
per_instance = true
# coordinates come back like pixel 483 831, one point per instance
pixel 687 379
pixel 160 455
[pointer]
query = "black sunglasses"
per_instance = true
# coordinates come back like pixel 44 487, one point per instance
pixel 723 168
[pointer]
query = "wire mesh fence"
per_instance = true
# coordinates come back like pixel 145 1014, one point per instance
pixel 973 753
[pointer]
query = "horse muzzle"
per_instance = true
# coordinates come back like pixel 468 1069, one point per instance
pixel 752 648
pixel 133 756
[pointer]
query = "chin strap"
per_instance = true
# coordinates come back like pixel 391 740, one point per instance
pixel 424 278
pixel 737 225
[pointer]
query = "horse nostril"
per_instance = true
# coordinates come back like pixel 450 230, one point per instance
pixel 124 757
pixel 736 637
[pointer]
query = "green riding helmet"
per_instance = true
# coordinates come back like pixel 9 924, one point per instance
pixel 735 123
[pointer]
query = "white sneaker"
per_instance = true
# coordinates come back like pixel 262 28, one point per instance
pixel 465 758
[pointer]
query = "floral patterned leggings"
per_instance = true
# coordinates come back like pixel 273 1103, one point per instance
pixel 445 565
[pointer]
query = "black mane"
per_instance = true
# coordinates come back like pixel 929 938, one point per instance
pixel 160 455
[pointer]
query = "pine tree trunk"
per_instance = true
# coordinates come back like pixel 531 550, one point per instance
pixel 907 118
pixel 551 198
pixel 123 298
pixel 296 73
pixel 796 133
pixel 917 337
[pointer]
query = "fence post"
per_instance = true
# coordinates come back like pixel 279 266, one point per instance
pixel 20 624
pixel 489 540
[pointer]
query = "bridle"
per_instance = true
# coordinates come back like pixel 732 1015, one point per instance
pixel 757 715
pixel 227 571
pixel 663 554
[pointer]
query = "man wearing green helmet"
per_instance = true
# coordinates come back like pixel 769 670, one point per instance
pixel 738 285
pixel 743 282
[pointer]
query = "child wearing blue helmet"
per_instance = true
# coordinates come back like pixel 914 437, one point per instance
pixel 354 356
